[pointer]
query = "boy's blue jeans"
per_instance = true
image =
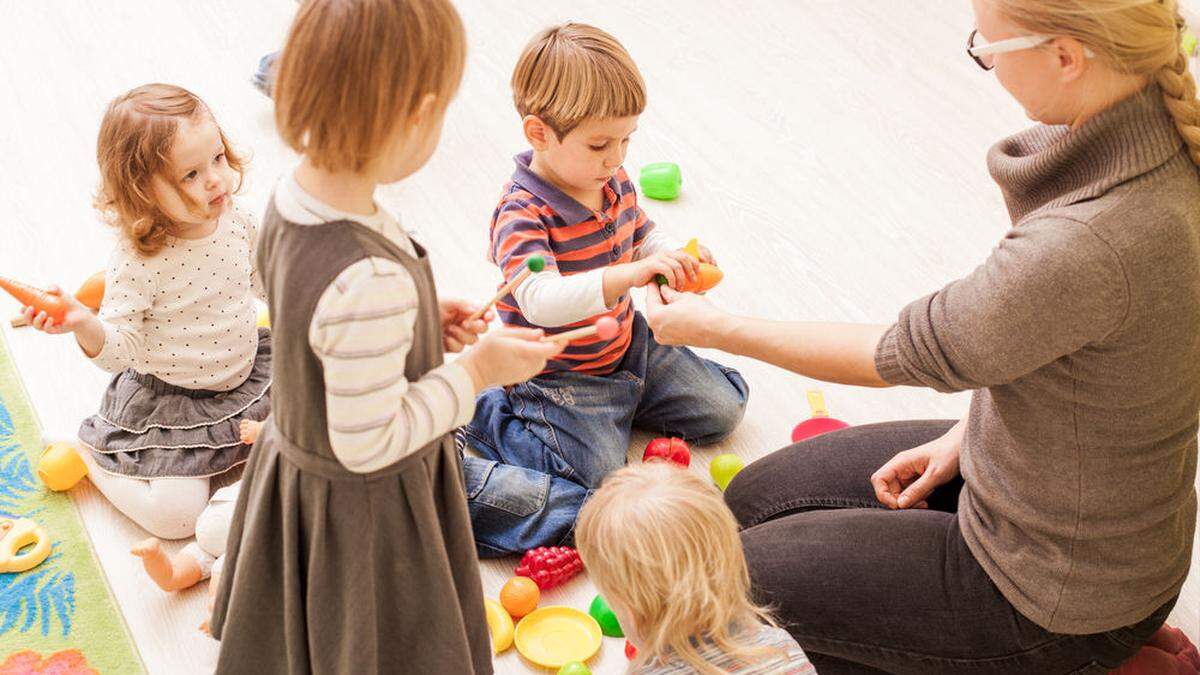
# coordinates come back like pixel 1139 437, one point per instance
pixel 546 444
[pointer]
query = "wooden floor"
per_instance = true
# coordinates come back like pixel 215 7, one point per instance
pixel 833 159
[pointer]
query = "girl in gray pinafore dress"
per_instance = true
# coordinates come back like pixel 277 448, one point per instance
pixel 328 570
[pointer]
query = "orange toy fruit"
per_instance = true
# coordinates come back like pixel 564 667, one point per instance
pixel 519 596
pixel 91 293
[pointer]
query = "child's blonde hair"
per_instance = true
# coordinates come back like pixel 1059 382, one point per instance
pixel 660 542
pixel 135 139
pixel 573 72
pixel 352 72
pixel 1138 37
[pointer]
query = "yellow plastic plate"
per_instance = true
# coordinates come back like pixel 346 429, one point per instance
pixel 552 636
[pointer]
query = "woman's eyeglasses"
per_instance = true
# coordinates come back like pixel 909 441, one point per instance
pixel 983 53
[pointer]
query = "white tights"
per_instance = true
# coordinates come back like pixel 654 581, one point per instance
pixel 165 507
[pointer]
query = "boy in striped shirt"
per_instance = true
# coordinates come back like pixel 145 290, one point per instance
pixel 543 446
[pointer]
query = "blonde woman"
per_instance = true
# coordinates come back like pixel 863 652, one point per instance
pixel 663 549
pixel 1050 530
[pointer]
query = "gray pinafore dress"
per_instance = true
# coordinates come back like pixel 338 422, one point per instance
pixel 327 570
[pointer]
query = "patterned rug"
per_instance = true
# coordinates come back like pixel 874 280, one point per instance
pixel 60 616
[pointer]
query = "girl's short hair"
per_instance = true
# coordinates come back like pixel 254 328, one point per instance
pixel 353 71
pixel 135 140
pixel 659 541
pixel 573 72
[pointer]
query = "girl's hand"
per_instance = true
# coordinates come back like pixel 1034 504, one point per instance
pixel 76 318
pixel 907 480
pixel 457 332
pixel 509 355
pixel 682 318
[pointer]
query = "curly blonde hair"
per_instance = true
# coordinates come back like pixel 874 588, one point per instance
pixel 1136 37
pixel 659 542
pixel 135 140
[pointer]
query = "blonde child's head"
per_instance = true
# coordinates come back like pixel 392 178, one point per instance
pixel 663 549
pixel 579 95
pixel 165 165
pixel 363 85
pixel 1139 40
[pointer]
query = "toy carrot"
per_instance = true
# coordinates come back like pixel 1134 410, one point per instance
pixel 90 294
pixel 39 300
pixel 708 276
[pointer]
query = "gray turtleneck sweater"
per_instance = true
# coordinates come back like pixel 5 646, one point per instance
pixel 1080 335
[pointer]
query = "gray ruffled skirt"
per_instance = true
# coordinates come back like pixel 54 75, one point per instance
pixel 148 428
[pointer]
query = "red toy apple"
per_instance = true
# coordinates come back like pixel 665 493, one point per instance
pixel 819 423
pixel 673 450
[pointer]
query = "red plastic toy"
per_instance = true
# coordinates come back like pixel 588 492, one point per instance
pixel 671 449
pixel 819 423
pixel 630 650
pixel 550 566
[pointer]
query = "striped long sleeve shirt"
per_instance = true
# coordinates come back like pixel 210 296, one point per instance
pixel 361 331
pixel 535 217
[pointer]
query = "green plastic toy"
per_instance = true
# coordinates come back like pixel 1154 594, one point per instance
pixel 1189 42
pixel 661 180
pixel 574 668
pixel 604 616
pixel 724 467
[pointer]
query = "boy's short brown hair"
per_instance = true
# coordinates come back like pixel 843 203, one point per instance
pixel 573 72
pixel 352 71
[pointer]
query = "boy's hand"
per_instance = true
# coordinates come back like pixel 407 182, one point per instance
pixel 706 255
pixel 508 356
pixel 457 332
pixel 76 318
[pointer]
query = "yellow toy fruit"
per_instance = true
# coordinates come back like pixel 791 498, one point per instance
pixel 264 318
pixel 500 625
pixel 60 467
pixel 19 534
pixel 519 596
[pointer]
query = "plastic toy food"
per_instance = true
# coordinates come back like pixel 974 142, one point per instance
pixel 630 650
pixel 661 180
pixel 673 450
pixel 500 625
pixel 819 423
pixel 39 300
pixel 549 566
pixel 19 534
pixel 519 596
pixel 574 668
pixel 708 277
pixel 604 616
pixel 724 467
pixel 90 294
pixel 60 467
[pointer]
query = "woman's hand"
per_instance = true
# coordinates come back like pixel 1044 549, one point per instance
pixel 682 318
pixel 457 332
pixel 908 479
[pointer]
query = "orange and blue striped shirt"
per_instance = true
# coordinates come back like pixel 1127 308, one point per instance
pixel 536 218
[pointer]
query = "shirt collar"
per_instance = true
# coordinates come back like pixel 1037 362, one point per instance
pixel 566 206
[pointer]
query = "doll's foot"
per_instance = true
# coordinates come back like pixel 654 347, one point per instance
pixel 250 430
pixel 168 574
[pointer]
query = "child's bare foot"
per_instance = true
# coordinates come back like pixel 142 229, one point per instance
pixel 170 575
pixel 250 430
